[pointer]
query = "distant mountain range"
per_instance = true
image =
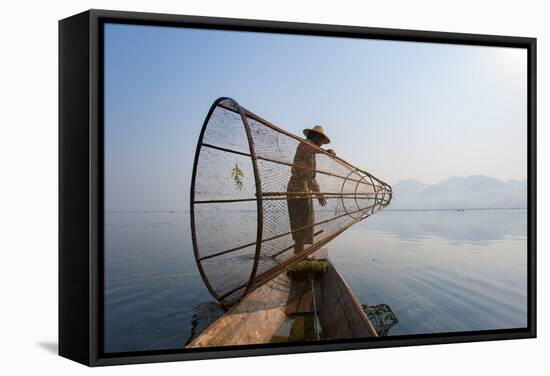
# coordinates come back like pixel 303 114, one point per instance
pixel 476 191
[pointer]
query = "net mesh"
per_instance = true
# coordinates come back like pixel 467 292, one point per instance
pixel 263 198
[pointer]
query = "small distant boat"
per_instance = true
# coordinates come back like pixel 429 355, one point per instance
pixel 289 310
pixel 459 210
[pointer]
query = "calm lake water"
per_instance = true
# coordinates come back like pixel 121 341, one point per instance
pixel 438 271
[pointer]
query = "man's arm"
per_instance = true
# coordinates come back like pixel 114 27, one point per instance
pixel 314 186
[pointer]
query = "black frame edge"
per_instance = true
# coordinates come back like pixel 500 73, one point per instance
pixel 286 27
pixel 532 184
pixel 74 220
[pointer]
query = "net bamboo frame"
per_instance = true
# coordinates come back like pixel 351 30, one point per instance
pixel 246 212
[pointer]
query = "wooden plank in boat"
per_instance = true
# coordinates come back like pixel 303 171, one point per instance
pixel 254 320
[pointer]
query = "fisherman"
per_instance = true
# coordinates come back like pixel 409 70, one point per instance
pixel 302 186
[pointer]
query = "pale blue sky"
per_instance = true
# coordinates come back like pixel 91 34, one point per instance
pixel 400 110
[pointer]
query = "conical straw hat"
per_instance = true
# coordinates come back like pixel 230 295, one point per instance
pixel 319 130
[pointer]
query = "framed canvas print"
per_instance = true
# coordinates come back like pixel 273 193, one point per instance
pixel 236 187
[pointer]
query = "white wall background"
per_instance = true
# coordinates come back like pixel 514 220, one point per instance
pixel 28 192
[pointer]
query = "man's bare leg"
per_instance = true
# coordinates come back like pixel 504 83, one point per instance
pixel 298 246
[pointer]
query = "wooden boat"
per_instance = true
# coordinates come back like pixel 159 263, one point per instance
pixel 283 310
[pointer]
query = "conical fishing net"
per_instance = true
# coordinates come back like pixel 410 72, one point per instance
pixel 263 198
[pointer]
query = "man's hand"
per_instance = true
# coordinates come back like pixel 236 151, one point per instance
pixel 322 200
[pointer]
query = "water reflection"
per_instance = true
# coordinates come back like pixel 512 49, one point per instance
pixel 471 226
pixel 438 271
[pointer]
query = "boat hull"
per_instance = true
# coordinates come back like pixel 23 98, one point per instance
pixel 259 316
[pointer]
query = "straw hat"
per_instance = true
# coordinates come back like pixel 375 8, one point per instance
pixel 319 130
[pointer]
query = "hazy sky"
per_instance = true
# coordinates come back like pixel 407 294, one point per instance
pixel 400 110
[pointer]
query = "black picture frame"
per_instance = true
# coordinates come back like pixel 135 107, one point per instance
pixel 81 182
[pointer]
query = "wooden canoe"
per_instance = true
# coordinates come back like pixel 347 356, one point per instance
pixel 278 311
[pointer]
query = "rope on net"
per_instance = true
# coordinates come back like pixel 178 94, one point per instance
pixel 255 195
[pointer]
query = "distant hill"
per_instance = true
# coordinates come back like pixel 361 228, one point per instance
pixel 476 191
